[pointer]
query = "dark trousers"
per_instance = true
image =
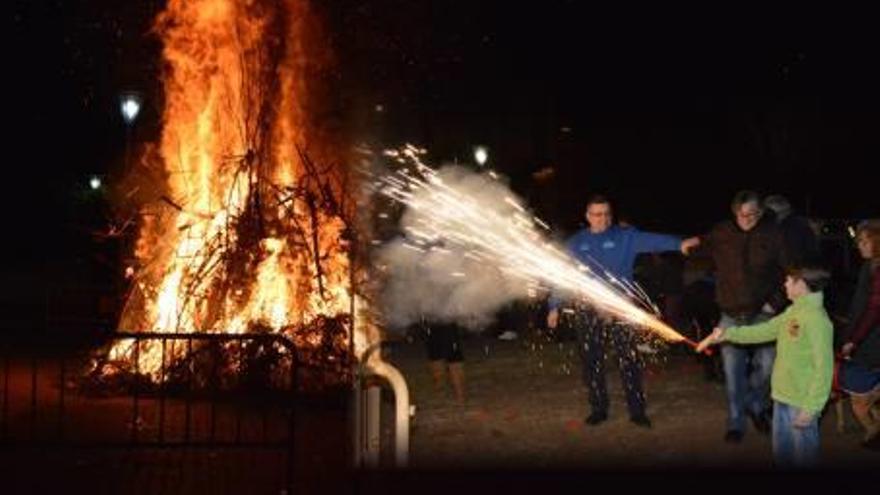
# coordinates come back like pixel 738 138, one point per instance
pixel 593 336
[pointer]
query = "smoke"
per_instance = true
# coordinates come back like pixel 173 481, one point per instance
pixel 442 278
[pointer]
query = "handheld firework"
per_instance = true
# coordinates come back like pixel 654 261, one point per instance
pixel 508 238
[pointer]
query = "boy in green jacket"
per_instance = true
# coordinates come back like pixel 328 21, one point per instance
pixel 801 379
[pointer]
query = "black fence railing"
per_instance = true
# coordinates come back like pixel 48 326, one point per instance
pixel 159 391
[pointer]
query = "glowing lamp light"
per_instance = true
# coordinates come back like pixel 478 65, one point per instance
pixel 481 155
pixel 130 106
pixel 95 183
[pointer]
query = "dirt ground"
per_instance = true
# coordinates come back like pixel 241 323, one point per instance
pixel 521 428
pixel 526 406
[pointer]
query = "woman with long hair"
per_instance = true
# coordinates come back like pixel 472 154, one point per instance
pixel 860 372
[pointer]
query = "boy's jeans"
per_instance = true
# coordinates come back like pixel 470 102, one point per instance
pixel 793 447
pixel 746 391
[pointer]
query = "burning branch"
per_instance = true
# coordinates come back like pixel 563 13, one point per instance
pixel 316 253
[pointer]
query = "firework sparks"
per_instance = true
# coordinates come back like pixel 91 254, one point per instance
pixel 506 237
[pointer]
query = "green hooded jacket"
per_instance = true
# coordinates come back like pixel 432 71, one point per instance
pixel 804 362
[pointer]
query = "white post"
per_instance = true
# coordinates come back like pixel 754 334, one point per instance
pixel 401 410
pixel 373 444
pixel 368 424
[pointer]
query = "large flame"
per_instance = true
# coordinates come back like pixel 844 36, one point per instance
pixel 244 235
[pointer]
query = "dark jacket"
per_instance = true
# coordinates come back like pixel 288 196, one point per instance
pixel 748 266
pixel 800 246
pixel 864 327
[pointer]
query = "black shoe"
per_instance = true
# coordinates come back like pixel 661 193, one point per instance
pixel 641 420
pixel 733 436
pixel 761 423
pixel 596 418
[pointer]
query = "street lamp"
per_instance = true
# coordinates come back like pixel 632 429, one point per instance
pixel 130 106
pixel 95 183
pixel 481 155
pixel 130 103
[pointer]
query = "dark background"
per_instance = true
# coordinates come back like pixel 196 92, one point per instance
pixel 669 110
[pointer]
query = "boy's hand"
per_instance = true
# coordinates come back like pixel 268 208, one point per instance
pixel 802 419
pixel 713 338
pixel 847 350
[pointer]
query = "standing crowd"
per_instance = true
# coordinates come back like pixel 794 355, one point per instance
pixel 780 352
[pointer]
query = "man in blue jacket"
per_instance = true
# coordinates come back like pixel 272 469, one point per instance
pixel 608 248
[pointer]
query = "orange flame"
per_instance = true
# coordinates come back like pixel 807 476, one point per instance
pixel 233 244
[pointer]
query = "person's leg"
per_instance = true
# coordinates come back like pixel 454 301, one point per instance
pixel 783 442
pixel 455 358
pixel 733 358
pixel 438 374
pixel 864 391
pixel 436 356
pixel 805 443
pixel 456 377
pixel 592 352
pixel 861 407
pixel 757 400
pixel 630 371
pixel 758 395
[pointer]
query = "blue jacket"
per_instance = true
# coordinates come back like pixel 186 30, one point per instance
pixel 615 250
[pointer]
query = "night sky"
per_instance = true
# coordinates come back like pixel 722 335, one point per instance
pixel 668 111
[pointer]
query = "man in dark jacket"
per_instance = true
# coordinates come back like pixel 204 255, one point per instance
pixel 748 256
pixel 800 245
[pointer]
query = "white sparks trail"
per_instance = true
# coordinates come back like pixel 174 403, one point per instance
pixel 510 242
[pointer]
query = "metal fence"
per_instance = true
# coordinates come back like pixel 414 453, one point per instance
pixel 214 392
